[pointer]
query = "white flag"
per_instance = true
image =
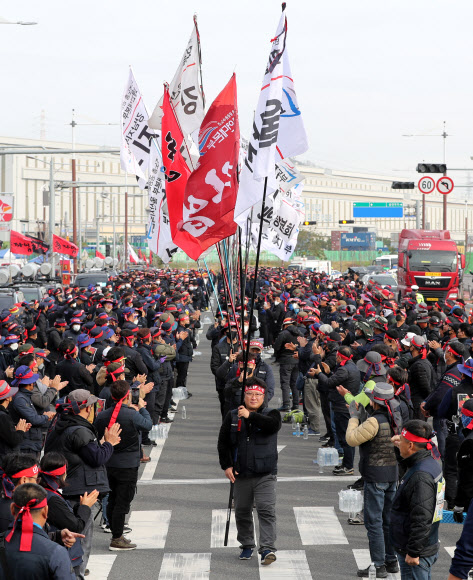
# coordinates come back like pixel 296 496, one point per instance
pixel 159 232
pixel 278 131
pixel 287 175
pixel 280 236
pixel 185 91
pixel 136 135
pixel 132 255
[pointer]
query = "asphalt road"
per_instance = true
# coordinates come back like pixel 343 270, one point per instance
pixel 179 511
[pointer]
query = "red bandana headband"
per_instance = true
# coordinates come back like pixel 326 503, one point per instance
pixel 117 371
pixel 415 439
pixel 55 472
pixel 5 389
pixel 344 358
pixel 255 388
pixel 26 523
pixel 29 472
pixel 116 410
pixel 467 412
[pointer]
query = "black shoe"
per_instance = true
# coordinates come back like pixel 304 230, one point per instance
pixel 149 442
pixel 392 567
pixel 328 444
pixel 324 439
pixel 381 572
pixel 283 409
pixel 166 420
pixel 359 484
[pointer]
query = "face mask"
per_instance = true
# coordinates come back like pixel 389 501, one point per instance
pixel 276 302
pixel 41 366
pixel 76 327
pixel 108 308
pixel 14 346
pixel 73 305
pixel 246 327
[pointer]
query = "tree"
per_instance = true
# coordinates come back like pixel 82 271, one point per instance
pixel 311 244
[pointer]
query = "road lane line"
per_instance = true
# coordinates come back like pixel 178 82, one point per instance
pixel 150 528
pixel 319 526
pixel 185 567
pixel 289 565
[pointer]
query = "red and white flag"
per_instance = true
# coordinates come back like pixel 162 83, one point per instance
pixel 176 174
pixel 132 255
pixel 99 255
pixel 210 194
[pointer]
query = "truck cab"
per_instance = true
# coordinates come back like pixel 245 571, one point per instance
pixel 429 259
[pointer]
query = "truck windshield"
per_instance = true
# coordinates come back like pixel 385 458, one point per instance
pixel 432 261
pixel 386 262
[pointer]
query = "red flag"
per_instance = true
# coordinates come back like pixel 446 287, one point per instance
pixel 26 245
pixel 99 255
pixel 210 194
pixel 62 246
pixel 140 253
pixel 176 175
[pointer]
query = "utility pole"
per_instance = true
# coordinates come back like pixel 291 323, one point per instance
pixel 52 202
pixel 97 225
pixel 418 213
pixel 74 193
pixel 113 220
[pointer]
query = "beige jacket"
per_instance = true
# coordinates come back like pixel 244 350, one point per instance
pixel 358 434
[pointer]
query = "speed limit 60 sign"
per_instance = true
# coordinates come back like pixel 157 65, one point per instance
pixel 426 184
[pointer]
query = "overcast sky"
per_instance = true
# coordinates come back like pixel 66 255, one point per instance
pixel 365 72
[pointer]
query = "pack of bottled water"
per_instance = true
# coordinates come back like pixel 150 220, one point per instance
pixel 350 501
pixel 179 393
pixel 160 431
pixel 327 457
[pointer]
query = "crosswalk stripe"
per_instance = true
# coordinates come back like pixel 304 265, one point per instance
pixel 363 560
pixel 289 564
pixel 281 447
pixel 155 454
pixel 150 528
pixel 450 550
pixel 217 533
pixel 319 526
pixel 224 480
pixel 100 565
pixel 185 567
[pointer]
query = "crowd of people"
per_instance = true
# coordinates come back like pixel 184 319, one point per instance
pixel 391 377
pixel 86 373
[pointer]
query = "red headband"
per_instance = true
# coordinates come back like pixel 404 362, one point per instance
pixel 146 336
pixel 26 523
pixel 109 362
pixel 117 371
pixel 6 388
pixel 55 472
pixel 255 388
pixel 449 347
pixel 415 439
pixel 467 412
pixel 116 410
pixel 29 472
pixel 344 358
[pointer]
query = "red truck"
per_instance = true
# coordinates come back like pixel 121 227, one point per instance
pixel 430 259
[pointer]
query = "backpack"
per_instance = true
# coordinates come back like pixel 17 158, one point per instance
pixel 298 416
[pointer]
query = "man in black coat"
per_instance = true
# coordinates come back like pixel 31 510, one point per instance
pixel 422 376
pixel 416 512
pixel 347 375
pixel 249 458
pixel 223 352
pixel 122 467
pixel 11 435
pixel 284 348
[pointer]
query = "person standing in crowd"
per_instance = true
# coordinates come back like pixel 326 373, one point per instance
pixel 416 509
pixel 11 433
pixel 249 458
pixel 284 347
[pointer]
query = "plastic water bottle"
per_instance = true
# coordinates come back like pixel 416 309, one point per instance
pixel 293 423
pixel 372 572
pixel 305 432
pixel 298 430
pixel 184 412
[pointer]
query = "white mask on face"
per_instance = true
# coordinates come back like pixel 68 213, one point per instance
pixel 14 346
pixel 76 327
pixel 73 305
pixel 246 327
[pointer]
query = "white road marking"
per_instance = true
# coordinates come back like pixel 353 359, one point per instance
pixel 363 560
pixel 281 447
pixel 100 565
pixel 150 528
pixel 290 564
pixel 155 454
pixel 217 534
pixel 309 479
pixel 450 550
pixel 319 526
pixel 185 567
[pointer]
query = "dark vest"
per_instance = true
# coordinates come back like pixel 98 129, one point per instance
pixel 400 512
pixel 75 551
pixel 377 457
pixel 257 452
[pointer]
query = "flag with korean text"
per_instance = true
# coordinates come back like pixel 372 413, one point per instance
pixel 278 130
pixel 136 135
pixel 209 198
pixel 280 235
pixel 65 247
pixel 26 245
pixel 185 90
pixel 176 174
pixel 159 233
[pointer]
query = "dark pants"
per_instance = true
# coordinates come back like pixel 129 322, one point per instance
pixel 288 374
pixel 166 388
pixel 221 398
pixel 325 406
pixel 440 427
pixel 182 368
pixel 378 499
pixel 150 400
pixel 122 482
pixel 450 472
pixel 341 424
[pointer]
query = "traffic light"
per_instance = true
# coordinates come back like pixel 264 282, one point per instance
pixel 107 250
pixel 346 221
pixel 431 168
pixel 403 185
pixel 309 223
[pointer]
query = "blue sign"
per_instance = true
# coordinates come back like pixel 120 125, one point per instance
pixel 378 210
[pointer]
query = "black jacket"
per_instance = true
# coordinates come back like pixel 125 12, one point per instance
pixel 422 379
pixel 134 363
pixel 77 440
pixel 22 408
pixel 465 471
pixel 284 355
pixel 256 442
pixel 10 438
pixel 220 353
pixel 54 340
pixel 76 373
pixel 412 530
pixel 451 378
pixel 348 376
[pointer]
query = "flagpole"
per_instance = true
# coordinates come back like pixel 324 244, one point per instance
pixel 200 60
pixel 125 248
